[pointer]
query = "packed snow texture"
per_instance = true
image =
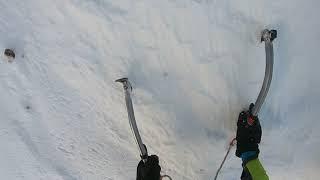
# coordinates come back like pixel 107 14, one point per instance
pixel 194 65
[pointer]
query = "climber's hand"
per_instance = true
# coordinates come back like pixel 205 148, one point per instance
pixel 149 170
pixel 248 133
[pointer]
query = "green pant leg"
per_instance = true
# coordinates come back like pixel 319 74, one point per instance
pixel 256 170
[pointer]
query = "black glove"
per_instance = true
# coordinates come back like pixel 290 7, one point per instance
pixel 149 170
pixel 248 133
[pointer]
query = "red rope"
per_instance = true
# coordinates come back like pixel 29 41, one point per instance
pixel 232 143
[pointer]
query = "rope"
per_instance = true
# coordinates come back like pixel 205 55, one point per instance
pixel 165 176
pixel 232 143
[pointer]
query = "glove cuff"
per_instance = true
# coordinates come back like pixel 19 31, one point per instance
pixel 245 161
pixel 248 155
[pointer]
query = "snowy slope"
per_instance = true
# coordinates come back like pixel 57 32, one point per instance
pixel 194 65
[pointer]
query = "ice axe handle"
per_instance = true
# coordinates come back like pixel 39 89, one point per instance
pixel 250 117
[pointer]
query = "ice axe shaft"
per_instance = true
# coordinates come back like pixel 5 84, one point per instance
pixel 127 90
pixel 267 36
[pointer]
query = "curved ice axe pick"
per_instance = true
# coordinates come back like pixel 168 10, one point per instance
pixel 267 36
pixel 127 89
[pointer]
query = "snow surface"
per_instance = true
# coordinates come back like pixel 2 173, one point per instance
pixel 194 65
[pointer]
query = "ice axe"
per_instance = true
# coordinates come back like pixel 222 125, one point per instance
pixel 142 147
pixel 127 90
pixel 267 36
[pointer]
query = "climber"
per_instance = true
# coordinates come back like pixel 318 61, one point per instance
pixel 248 137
